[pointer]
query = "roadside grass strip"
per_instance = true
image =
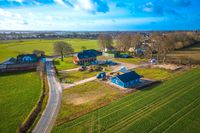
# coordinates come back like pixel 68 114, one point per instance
pixel 139 110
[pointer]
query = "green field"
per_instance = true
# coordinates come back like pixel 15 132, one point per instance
pixel 15 47
pixel 170 107
pixel 19 93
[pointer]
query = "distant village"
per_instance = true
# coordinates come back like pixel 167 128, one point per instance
pixel 13 35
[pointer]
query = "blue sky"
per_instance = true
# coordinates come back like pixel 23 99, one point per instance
pixel 100 15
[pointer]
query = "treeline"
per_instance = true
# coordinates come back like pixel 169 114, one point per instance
pixel 156 44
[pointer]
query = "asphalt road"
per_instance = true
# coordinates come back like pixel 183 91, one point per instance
pixel 48 117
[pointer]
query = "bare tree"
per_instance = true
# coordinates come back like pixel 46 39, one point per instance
pixel 62 48
pixel 123 42
pixel 105 41
pixel 136 40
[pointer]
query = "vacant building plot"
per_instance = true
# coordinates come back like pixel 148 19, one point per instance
pixel 170 107
pixel 85 98
pixel 19 93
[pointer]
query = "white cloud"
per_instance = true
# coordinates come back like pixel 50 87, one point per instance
pixel 60 2
pixel 79 5
pixel 5 13
pixel 148 7
pixel 86 5
pixel 50 18
pixel 19 1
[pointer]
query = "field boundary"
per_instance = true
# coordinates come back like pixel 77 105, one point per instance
pixel 31 118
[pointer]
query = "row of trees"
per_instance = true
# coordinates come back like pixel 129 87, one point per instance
pixel 162 43
pixel 127 42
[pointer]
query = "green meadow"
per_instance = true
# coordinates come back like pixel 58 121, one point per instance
pixel 12 48
pixel 170 107
pixel 19 93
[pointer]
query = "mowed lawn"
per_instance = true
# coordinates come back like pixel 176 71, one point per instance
pixel 64 65
pixel 14 47
pixel 173 106
pixel 155 73
pixel 19 93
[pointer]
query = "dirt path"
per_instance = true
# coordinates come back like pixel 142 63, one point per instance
pixel 66 86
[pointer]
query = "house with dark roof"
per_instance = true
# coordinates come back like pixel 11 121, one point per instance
pixel 27 58
pixel 126 80
pixel 86 56
pixel 9 61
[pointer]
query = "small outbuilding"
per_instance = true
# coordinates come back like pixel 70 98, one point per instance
pixel 126 80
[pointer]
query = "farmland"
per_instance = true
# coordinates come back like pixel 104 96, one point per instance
pixel 190 53
pixel 19 93
pixel 14 47
pixel 170 107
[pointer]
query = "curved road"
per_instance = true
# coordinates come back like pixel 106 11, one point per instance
pixel 48 117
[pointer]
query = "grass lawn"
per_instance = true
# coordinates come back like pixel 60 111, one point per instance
pixel 130 60
pixel 170 107
pixel 154 73
pixel 64 65
pixel 19 93
pixel 74 76
pixel 14 47
pixel 84 98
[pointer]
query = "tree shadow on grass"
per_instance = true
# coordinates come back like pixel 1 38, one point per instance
pixel 56 62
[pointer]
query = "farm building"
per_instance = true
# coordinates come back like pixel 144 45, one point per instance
pixel 27 58
pixel 9 61
pixel 86 56
pixel 126 80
